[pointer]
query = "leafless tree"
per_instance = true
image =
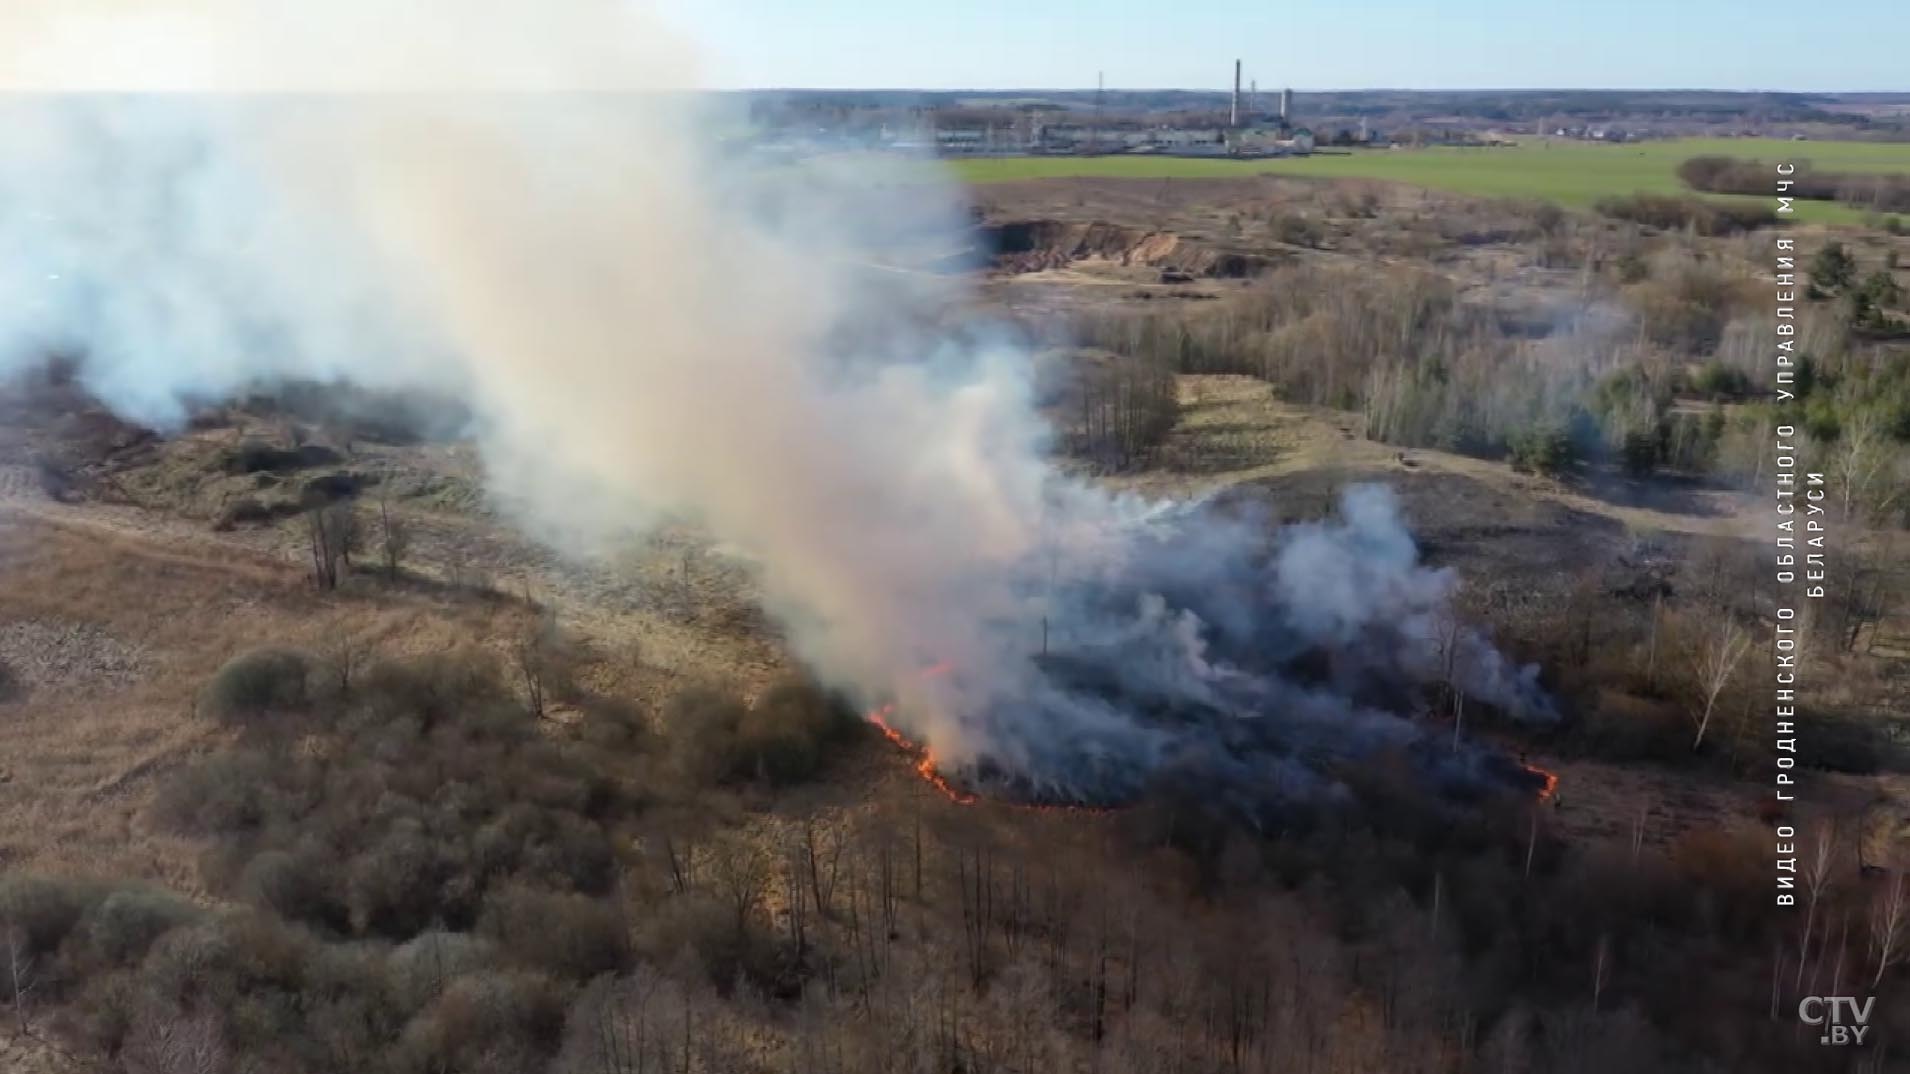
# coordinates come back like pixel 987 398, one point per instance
pixel 1600 968
pixel 333 532
pixel 20 976
pixel 1817 878
pixel 394 533
pixel 344 654
pixel 1866 466
pixel 1712 666
pixel 742 874
pixel 546 660
pixel 175 1042
pixel 1889 927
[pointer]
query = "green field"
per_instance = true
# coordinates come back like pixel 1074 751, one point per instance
pixel 1570 173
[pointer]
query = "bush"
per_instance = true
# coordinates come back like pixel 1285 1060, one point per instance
pixel 1641 451
pixel 258 683
pixel 421 968
pixel 126 923
pixel 1544 448
pixel 436 689
pixel 45 910
pixel 1833 268
pixel 227 792
pixel 1701 217
pixel 257 456
pixel 489 1021
pixel 399 886
pixel 298 885
pixel 784 738
pixel 574 937
pixel 702 725
pixel 1715 379
pixel 230 960
pixel 1688 311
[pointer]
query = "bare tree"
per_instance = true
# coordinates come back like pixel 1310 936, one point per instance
pixel 175 1042
pixel 546 659
pixel 1889 927
pixel 1866 465
pixel 20 976
pixel 1712 665
pixel 394 533
pixel 344 654
pixel 1600 968
pixel 1817 877
pixel 333 532
pixel 742 873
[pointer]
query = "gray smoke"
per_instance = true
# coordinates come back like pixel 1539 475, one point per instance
pixel 448 197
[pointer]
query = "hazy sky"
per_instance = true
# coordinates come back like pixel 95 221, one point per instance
pixel 1308 44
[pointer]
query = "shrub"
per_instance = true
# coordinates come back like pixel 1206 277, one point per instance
pixel 1632 267
pixel 1641 451
pixel 421 968
pixel 258 683
pixel 300 885
pixel 397 888
pixel 1545 448
pixel 1702 217
pixel 785 736
pixel 1716 379
pixel 549 844
pixel 1295 230
pixel 572 936
pixel 257 456
pixel 614 725
pixel 1688 311
pixel 125 923
pixel 486 1021
pixel 228 958
pixel 1833 268
pixel 44 910
pixel 436 688
pixel 702 725
pixel 227 792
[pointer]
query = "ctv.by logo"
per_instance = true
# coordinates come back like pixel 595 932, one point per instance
pixel 1845 1020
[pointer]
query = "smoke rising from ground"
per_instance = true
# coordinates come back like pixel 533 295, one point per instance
pixel 646 326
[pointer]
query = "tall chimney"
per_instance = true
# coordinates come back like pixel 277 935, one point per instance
pixel 1233 115
pixel 1286 105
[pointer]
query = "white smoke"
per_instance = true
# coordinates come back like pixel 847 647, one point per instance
pixel 646 327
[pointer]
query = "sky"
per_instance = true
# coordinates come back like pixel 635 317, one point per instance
pixel 1853 45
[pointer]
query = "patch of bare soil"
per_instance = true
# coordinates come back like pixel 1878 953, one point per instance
pixel 1035 245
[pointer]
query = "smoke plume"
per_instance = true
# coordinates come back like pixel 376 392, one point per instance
pixel 514 204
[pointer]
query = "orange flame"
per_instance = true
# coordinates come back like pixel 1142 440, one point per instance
pixel 925 764
pixel 1551 780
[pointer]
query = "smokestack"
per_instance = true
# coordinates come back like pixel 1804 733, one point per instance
pixel 1286 105
pixel 1233 114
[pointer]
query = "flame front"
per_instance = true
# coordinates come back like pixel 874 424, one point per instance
pixel 925 764
pixel 1551 780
